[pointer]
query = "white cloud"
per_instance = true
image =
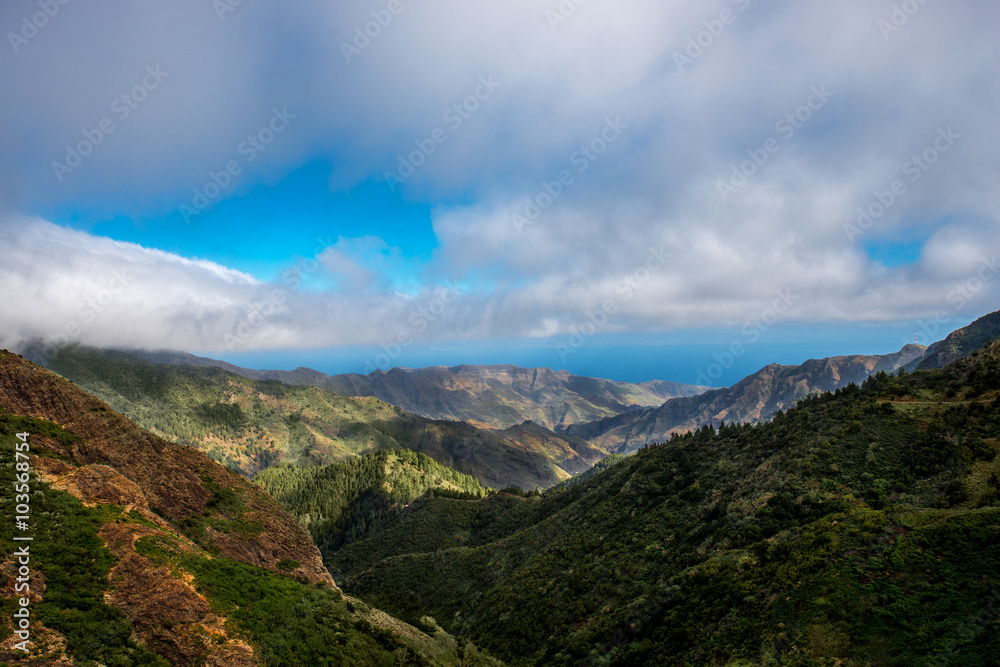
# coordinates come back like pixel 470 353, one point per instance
pixel 656 186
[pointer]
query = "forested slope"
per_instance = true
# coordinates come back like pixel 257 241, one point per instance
pixel 250 425
pixel 861 527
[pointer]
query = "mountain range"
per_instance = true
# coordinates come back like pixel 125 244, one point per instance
pixel 756 398
pixel 250 425
pixel 147 553
pixel 859 527
pixel 497 397
pixel 843 511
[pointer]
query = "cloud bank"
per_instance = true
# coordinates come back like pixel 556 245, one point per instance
pixel 756 148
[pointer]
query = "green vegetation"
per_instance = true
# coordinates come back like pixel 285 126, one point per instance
pixel 344 502
pixel 600 466
pixel 316 630
pixel 244 424
pixel 860 526
pixel 73 559
pixel 249 425
pixel 960 343
pixel 318 626
pixel 315 626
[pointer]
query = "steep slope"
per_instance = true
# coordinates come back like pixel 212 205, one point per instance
pixel 147 553
pixel 959 343
pixel 860 528
pixel 344 502
pixel 497 396
pixel 250 425
pixel 505 395
pixel 755 398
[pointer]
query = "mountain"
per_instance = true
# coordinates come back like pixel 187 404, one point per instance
pixel 347 501
pixel 250 425
pixel 147 553
pixel 488 396
pixel 755 398
pixel 860 527
pixel 959 343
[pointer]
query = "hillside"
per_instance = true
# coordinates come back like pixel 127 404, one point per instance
pixel 959 343
pixel 755 398
pixel 250 425
pixel 147 553
pixel 490 396
pixel 860 528
pixel 344 502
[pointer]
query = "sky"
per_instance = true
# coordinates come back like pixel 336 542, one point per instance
pixel 636 190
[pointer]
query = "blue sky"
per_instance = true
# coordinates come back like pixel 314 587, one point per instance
pixel 620 190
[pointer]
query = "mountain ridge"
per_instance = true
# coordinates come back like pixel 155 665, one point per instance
pixel 860 526
pixel 145 553
pixel 252 424
pixel 511 393
pixel 755 398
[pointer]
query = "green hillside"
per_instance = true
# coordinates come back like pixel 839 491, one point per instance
pixel 960 343
pixel 861 528
pixel 251 425
pixel 343 502
pixel 144 553
pixel 599 467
